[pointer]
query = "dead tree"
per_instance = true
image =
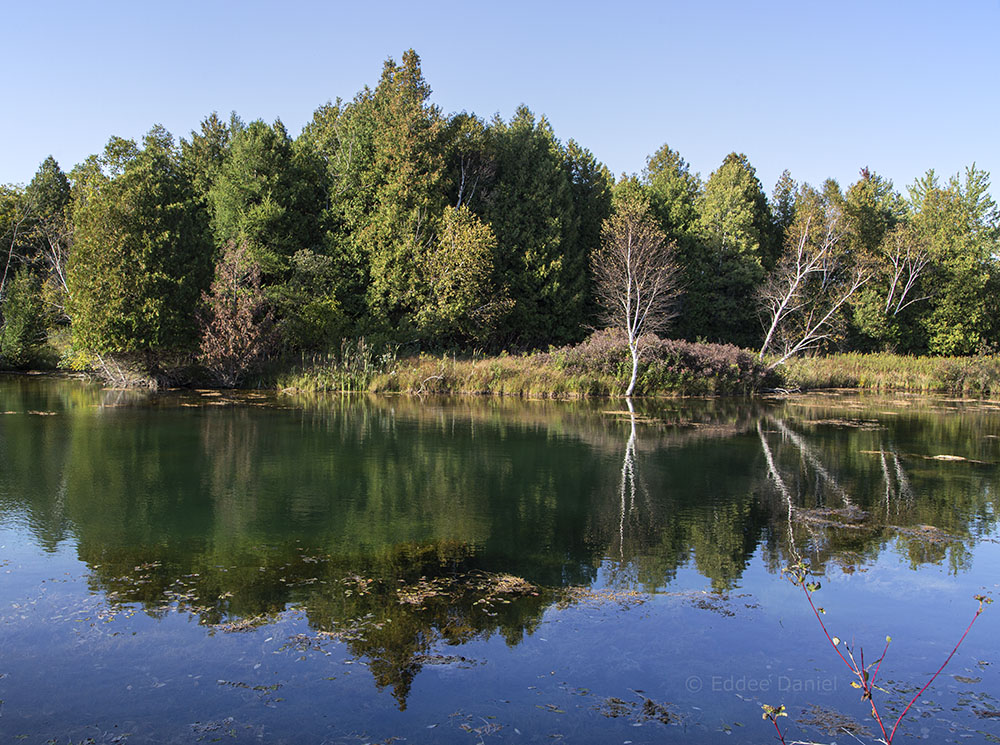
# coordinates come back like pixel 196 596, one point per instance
pixel 636 277
pixel 906 259
pixel 810 284
pixel 237 325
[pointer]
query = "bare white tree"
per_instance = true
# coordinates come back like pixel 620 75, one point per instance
pixel 808 287
pixel 636 278
pixel 906 258
pixel 18 224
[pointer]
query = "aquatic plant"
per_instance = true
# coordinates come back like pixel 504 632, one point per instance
pixel 865 674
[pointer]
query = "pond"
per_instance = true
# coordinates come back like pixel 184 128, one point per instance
pixel 205 566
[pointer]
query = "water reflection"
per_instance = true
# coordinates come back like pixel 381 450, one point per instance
pixel 399 526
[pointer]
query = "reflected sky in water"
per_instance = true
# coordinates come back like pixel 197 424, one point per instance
pixel 195 565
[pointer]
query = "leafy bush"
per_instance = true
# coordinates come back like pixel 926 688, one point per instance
pixel 667 365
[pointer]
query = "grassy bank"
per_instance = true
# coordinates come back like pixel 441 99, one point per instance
pixel 600 366
pixel 967 376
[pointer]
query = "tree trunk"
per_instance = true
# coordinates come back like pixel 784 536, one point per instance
pixel 634 349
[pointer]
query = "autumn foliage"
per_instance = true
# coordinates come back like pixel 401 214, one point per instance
pixel 238 330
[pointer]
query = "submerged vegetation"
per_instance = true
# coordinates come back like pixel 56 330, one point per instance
pixel 569 560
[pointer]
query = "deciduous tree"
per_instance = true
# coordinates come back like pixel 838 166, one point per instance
pixel 463 305
pixel 814 279
pixel 237 324
pixel 636 278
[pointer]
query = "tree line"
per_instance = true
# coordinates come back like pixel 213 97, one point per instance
pixel 386 218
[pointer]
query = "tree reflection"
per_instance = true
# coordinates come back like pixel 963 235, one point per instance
pixel 405 528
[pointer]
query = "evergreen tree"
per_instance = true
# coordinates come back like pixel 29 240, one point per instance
pixel 783 206
pixel 204 153
pixel 51 236
pixel 384 155
pixel 733 224
pixel 408 175
pixel 16 220
pixel 532 214
pixel 471 167
pixel 141 256
pixel 267 196
pixel 590 182
pixel 22 326
pixel 873 210
pixel 673 192
pixel 341 137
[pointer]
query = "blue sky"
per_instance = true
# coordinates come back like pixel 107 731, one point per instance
pixel 819 88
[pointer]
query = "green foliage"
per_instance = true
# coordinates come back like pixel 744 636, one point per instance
pixel 463 306
pixel 267 195
pixel 49 190
pixel 387 219
pixel 22 329
pixel 308 303
pixel 408 174
pixel 960 224
pixel 471 169
pixel 591 187
pixel 871 209
pixel 340 136
pixel 204 153
pixel 141 255
pixel 673 192
pixel 50 237
pixel 539 257
pixel 887 311
pixel 783 206
pixel 727 265
pixel 18 220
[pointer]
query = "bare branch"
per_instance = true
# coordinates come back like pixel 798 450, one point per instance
pixel 811 283
pixel 907 259
pixel 636 278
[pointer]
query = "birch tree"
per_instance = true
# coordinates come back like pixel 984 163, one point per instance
pixel 636 279
pixel 802 298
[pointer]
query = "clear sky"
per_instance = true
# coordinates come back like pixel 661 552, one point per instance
pixel 819 88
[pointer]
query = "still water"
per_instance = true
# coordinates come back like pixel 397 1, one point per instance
pixel 205 567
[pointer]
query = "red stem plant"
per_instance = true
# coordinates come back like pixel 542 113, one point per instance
pixel 865 674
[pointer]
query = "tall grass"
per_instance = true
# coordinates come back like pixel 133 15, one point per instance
pixel 969 376
pixel 354 367
pixel 600 366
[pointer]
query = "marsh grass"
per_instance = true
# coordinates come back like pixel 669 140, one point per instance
pixel 599 366
pixel 970 376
